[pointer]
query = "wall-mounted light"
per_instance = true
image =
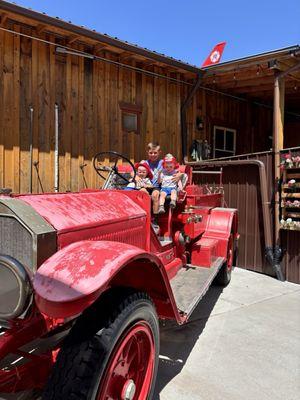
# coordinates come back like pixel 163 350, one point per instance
pixel 199 123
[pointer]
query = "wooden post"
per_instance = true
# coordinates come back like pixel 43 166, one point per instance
pixel 278 138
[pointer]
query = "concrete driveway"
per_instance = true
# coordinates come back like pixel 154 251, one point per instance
pixel 243 343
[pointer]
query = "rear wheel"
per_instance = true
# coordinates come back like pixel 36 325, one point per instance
pixel 224 275
pixel 116 359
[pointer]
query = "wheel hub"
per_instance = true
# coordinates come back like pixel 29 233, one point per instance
pixel 128 391
pixel 129 374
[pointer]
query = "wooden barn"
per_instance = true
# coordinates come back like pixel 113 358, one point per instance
pixel 67 92
pixel 251 118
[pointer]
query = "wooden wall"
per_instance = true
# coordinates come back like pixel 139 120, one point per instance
pixel 88 94
pixel 253 123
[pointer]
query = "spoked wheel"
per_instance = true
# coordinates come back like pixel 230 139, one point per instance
pixel 224 275
pixel 115 358
pixel 130 372
pixel 114 157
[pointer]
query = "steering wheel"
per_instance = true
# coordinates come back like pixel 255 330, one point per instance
pixel 115 158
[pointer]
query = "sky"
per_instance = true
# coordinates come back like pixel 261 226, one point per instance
pixel 186 29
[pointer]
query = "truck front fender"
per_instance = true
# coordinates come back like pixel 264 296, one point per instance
pixel 74 277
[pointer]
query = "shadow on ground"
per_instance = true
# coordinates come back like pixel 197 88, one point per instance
pixel 177 342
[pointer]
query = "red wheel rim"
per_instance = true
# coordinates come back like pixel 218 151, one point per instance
pixel 129 372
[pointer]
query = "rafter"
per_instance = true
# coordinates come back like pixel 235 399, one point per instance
pixel 99 47
pixel 40 28
pixel 126 56
pixel 71 39
pixel 4 17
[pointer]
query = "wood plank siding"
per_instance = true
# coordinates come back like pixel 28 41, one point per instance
pixel 88 94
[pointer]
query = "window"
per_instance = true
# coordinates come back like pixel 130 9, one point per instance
pixel 129 122
pixel 131 115
pixel 224 142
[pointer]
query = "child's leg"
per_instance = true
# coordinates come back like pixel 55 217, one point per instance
pixel 155 198
pixel 173 198
pixel 144 190
pixel 174 195
pixel 162 198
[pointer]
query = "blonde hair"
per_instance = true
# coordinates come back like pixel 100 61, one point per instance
pixel 153 145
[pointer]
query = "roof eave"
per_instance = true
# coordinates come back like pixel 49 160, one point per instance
pixel 267 56
pixel 59 23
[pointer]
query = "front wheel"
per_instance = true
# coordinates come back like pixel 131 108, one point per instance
pixel 114 359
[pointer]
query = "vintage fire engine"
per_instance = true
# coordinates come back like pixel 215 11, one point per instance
pixel 85 278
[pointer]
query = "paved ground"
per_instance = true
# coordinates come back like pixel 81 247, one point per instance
pixel 243 343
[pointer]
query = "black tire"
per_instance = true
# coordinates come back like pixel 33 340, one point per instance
pixel 84 360
pixel 223 277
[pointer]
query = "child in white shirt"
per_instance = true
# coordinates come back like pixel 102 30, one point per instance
pixel 168 185
pixel 145 176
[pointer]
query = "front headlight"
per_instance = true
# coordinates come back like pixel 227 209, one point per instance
pixel 15 288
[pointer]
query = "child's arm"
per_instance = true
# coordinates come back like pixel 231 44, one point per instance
pixel 177 177
pixel 148 184
pixel 160 177
pixel 179 184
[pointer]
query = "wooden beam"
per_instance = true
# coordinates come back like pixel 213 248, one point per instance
pixel 258 88
pixel 71 39
pixel 290 70
pixel 126 56
pixel 99 47
pixel 4 17
pixel 248 83
pixel 278 141
pixel 286 67
pixel 40 28
pixel 148 63
pixel 239 77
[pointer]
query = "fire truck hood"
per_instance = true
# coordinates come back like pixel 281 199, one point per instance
pixel 67 211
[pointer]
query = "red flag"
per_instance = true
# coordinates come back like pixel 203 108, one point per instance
pixel 215 55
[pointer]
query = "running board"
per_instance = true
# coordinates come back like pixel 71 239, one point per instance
pixel 191 283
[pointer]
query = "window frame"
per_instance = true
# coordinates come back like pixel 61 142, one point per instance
pixel 224 129
pixel 134 109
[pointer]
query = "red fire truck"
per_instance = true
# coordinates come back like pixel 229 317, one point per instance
pixel 85 278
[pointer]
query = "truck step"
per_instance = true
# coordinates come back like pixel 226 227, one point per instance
pixel 191 283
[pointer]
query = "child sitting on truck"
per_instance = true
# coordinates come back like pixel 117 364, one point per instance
pixel 168 185
pixel 144 174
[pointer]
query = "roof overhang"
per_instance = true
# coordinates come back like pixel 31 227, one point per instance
pixel 81 31
pixel 252 77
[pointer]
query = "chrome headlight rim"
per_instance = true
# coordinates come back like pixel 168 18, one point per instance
pixel 24 286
